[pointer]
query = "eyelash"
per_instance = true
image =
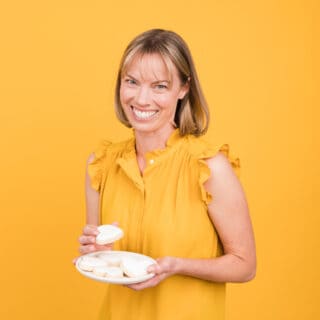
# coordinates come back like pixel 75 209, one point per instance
pixel 158 86
pixel 130 81
pixel 161 86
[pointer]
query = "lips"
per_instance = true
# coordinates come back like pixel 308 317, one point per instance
pixel 143 115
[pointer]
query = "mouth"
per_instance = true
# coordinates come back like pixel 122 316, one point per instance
pixel 143 115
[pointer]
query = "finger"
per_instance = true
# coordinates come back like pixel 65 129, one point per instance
pixel 154 268
pixel 86 249
pixel 104 247
pixel 164 264
pixel 145 284
pixel 74 261
pixel 90 230
pixel 87 239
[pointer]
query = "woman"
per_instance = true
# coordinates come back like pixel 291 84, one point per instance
pixel 176 196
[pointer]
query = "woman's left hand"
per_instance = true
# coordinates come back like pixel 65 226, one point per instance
pixel 164 268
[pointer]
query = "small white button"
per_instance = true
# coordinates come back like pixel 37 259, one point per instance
pixel 151 161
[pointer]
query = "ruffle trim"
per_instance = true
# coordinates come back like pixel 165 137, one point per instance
pixel 95 168
pixel 205 171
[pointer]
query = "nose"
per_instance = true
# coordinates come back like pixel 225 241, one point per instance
pixel 143 96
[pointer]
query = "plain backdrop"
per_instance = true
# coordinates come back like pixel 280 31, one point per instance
pixel 257 64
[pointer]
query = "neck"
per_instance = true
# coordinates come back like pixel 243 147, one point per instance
pixel 149 141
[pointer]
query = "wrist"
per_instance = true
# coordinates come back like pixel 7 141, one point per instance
pixel 175 265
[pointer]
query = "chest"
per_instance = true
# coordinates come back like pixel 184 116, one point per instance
pixel 161 212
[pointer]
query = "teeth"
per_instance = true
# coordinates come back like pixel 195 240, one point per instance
pixel 143 114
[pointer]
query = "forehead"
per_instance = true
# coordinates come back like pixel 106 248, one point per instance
pixel 150 67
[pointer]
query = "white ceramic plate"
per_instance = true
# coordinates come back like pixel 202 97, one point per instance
pixel 117 254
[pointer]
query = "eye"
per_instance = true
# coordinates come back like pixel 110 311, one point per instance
pixel 130 81
pixel 161 86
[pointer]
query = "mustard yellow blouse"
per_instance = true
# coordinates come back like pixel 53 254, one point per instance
pixel 163 213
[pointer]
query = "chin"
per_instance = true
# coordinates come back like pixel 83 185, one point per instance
pixel 144 127
pixel 149 127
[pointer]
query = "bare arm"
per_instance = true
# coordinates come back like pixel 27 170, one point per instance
pixel 230 215
pixel 92 199
pixel 88 238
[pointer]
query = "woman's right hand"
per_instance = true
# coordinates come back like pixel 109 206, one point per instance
pixel 88 240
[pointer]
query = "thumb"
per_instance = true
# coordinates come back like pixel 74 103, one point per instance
pixel 153 268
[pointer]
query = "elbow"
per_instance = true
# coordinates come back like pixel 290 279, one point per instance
pixel 250 272
pixel 246 269
pixel 250 275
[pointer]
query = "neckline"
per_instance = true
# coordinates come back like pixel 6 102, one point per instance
pixel 171 141
pixel 129 163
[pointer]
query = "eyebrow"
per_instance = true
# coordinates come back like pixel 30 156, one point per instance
pixel 155 82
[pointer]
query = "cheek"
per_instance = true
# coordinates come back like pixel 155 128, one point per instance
pixel 166 101
pixel 125 95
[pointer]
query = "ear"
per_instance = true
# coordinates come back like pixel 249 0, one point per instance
pixel 184 89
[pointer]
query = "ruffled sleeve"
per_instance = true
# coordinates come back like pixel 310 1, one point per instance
pixel 97 166
pixel 205 171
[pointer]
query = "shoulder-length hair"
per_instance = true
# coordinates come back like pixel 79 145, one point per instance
pixel 192 112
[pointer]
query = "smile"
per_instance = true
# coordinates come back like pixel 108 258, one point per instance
pixel 143 115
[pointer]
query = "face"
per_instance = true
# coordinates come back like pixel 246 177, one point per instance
pixel 149 94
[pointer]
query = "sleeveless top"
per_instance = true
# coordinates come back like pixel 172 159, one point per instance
pixel 163 212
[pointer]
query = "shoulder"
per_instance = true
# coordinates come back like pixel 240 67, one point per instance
pixel 219 163
pixel 103 157
pixel 217 157
pixel 198 147
pixel 202 148
pixel 223 181
pixel 110 148
pixel 91 158
pixel 109 151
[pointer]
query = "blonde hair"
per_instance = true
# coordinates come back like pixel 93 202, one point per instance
pixel 192 113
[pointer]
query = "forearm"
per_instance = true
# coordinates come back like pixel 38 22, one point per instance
pixel 92 199
pixel 226 268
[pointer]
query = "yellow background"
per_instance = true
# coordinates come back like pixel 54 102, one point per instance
pixel 257 64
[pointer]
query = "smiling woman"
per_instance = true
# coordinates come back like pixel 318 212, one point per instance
pixel 176 197
pixel 167 57
pixel 148 96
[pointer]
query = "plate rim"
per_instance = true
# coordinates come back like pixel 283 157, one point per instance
pixel 122 281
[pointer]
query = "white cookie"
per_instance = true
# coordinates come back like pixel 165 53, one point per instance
pixel 108 272
pixel 111 260
pixel 114 272
pixel 100 271
pixel 134 268
pixel 89 263
pixel 108 233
